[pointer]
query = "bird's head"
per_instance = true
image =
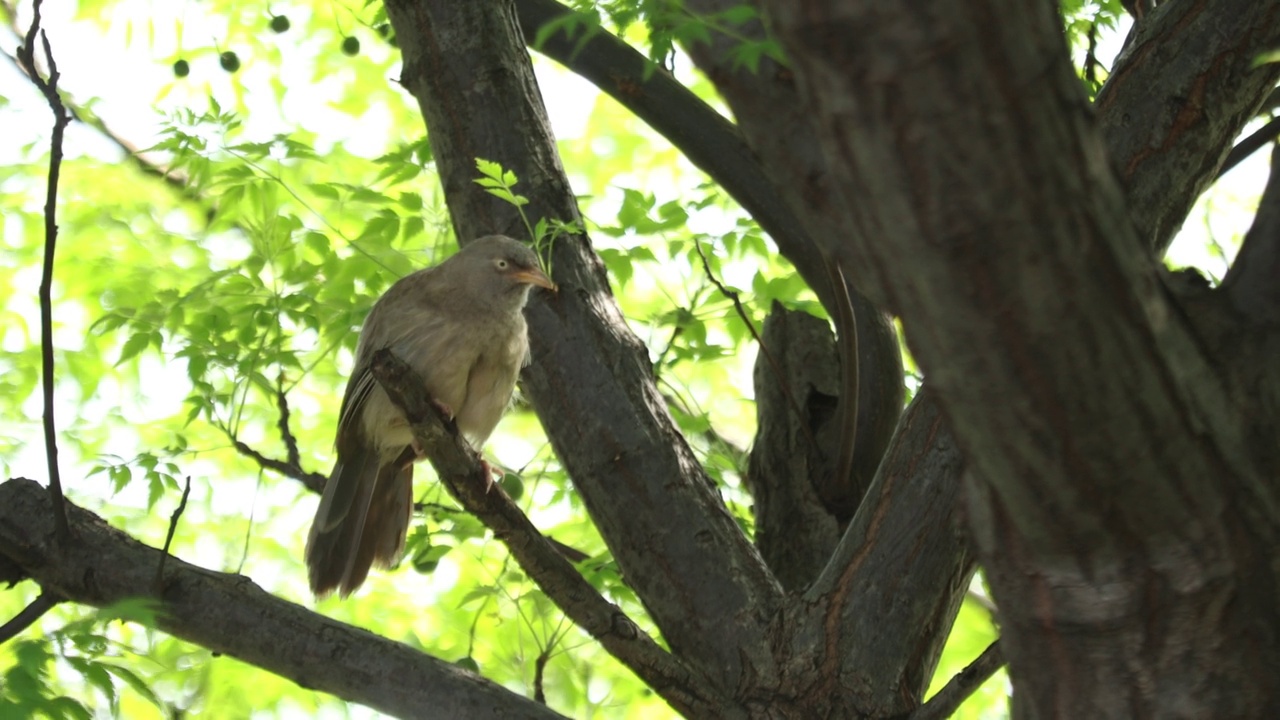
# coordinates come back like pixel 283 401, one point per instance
pixel 496 266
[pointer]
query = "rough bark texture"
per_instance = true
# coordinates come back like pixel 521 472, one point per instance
pixel 229 614
pixel 701 580
pixel 1115 504
pixel 797 382
pixel 1184 86
pixel 1116 426
pixel 716 146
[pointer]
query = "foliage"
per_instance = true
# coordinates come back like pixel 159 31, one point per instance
pixel 183 316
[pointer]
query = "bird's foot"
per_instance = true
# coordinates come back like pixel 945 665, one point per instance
pixel 445 410
pixel 490 473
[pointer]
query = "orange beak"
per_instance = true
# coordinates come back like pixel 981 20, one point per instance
pixel 534 276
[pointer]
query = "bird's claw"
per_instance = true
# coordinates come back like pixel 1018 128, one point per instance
pixel 490 472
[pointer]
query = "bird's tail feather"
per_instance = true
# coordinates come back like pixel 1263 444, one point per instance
pixel 362 520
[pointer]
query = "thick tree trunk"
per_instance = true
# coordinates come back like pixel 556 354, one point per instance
pixel 1123 519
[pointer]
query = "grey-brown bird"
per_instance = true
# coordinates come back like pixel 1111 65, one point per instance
pixel 461 326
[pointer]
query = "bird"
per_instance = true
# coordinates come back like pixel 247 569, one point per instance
pixel 460 326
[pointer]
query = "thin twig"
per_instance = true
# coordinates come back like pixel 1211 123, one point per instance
pixel 49 88
pixel 959 688
pixel 773 363
pixel 29 614
pixel 539 669
pixel 290 442
pixel 168 539
pixel 313 480
pixel 1250 145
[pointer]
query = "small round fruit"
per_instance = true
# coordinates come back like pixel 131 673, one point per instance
pixel 468 663
pixel 229 61
pixel 350 46
pixel 279 24
pixel 181 69
pixel 513 486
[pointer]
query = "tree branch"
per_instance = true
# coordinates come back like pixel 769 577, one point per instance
pixel 1177 96
pixel 958 689
pixel 1095 425
pixel 1248 146
pixel 44 602
pixel 870 393
pixel 313 480
pixel 1253 282
pixel 460 470
pixel 901 567
pixel 48 88
pixel 229 614
pixel 591 381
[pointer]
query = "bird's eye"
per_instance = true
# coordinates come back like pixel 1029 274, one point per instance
pixel 501 264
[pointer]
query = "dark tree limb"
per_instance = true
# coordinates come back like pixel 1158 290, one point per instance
pixel 1112 499
pixel 459 469
pixel 168 537
pixel 1177 96
pixel 1253 282
pixel 229 614
pixel 1250 145
pixel 591 381
pixel 49 88
pixel 779 132
pixel 34 610
pixel 896 580
pixel 958 689
pixel 314 481
pixel 871 392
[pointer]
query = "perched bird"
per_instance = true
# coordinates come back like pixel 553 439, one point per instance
pixel 461 327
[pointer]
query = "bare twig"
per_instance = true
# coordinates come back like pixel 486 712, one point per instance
pixel 168 538
pixel 286 435
pixel 49 88
pixel 459 469
pixel 959 688
pixel 539 670
pixel 1250 145
pixel 313 480
pixel 29 614
pixel 773 364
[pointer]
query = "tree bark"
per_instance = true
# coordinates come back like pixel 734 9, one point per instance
pixel 229 614
pixel 591 381
pixel 1115 505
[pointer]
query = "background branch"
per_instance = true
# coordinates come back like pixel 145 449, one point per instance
pixel 947 700
pixel 48 88
pixel 31 613
pixel 231 615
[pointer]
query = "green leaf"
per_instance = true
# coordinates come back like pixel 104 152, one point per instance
pixel 134 345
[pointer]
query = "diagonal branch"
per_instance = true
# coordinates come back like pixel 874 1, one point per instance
pixel 314 481
pixel 229 614
pixel 1253 282
pixel 591 381
pixel 1250 145
pixel 1175 99
pixel 43 603
pixel 459 468
pixel 959 688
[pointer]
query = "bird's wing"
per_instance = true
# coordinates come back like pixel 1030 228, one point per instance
pixel 432 342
